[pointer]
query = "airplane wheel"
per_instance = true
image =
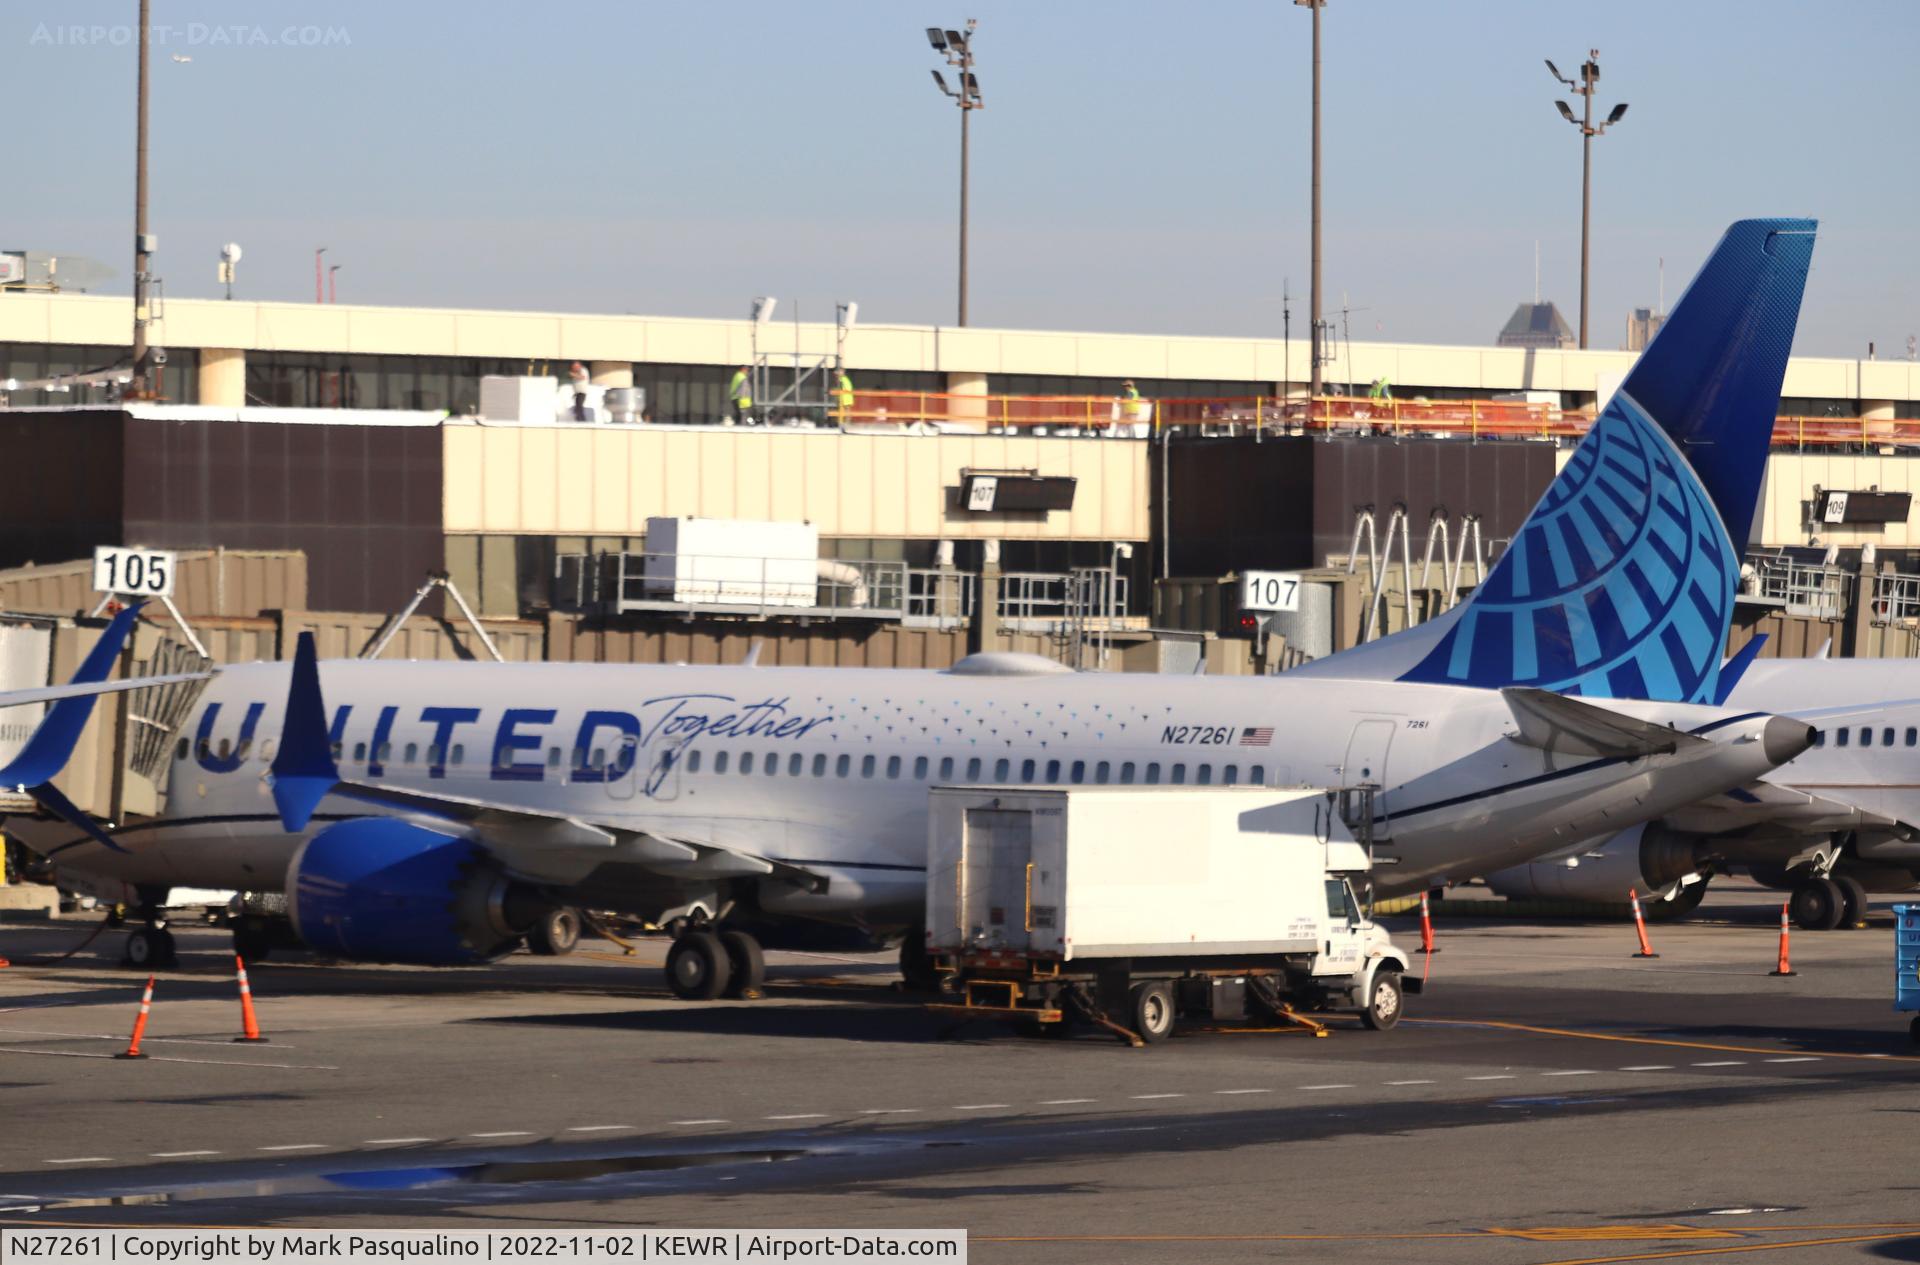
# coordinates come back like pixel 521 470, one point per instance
pixel 556 933
pixel 697 967
pixel 747 973
pixel 916 965
pixel 1153 1012
pixel 150 949
pixel 1816 905
pixel 1853 901
pixel 250 944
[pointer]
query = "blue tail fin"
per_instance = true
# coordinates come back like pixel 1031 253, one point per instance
pixel 1621 582
pixel 52 743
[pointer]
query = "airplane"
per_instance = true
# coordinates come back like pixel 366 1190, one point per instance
pixel 438 810
pixel 1838 821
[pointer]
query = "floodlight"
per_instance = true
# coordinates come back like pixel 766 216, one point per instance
pixel 1565 113
pixel 936 39
pixel 849 313
pixel 940 82
pixel 763 310
pixel 1555 71
pixel 1619 112
pixel 973 85
pixel 957 40
pixel 1592 71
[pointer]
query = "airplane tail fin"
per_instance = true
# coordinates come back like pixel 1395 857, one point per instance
pixel 1620 584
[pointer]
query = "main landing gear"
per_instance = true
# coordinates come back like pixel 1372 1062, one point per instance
pixel 150 947
pixel 705 964
pixel 1822 904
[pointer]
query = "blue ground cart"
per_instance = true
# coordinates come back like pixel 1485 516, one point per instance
pixel 1906 962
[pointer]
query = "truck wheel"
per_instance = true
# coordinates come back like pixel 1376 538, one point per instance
pixel 1383 1001
pixel 1153 1012
pixel 556 933
pixel 697 967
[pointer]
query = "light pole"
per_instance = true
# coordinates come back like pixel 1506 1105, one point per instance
pixel 1584 88
pixel 330 291
pixel 958 50
pixel 142 384
pixel 319 294
pixel 1314 381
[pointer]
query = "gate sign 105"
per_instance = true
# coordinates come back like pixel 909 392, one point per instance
pixel 1270 591
pixel 137 572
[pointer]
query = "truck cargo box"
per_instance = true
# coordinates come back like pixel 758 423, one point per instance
pixel 1132 872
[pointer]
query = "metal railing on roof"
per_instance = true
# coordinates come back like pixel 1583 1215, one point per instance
pixel 1815 589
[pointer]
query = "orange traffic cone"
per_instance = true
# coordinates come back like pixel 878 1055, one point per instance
pixel 251 1028
pixel 139 1025
pixel 1785 967
pixel 1640 925
pixel 1426 928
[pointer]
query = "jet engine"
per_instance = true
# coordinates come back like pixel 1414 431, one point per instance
pixel 384 890
pixel 1649 859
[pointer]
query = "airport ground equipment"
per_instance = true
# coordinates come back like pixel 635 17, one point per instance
pixel 1906 963
pixel 1131 908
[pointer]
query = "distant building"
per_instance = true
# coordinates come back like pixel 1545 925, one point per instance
pixel 1642 326
pixel 1537 325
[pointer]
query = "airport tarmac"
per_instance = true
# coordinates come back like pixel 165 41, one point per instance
pixel 1552 1098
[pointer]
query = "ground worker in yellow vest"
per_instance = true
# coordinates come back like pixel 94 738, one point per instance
pixel 741 394
pixel 843 395
pixel 1381 389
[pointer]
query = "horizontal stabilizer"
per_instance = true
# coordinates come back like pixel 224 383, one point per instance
pixel 1567 726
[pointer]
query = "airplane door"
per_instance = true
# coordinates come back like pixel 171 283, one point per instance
pixel 1366 762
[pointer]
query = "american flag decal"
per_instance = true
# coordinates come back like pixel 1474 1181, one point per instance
pixel 1257 737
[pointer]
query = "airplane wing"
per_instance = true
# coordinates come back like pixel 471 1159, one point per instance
pixel 543 847
pixel 1568 726
pixel 1782 810
pixel 55 693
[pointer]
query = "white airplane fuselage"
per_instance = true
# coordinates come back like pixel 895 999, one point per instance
pixel 828 769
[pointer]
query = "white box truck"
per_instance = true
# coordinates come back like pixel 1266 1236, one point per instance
pixel 1131 907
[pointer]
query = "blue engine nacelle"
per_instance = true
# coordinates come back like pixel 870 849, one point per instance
pixel 383 890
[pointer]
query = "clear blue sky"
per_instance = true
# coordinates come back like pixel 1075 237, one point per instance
pixel 1138 167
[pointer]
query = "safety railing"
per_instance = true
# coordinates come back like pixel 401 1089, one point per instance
pixel 1804 588
pixel 620 582
pixel 1044 601
pixel 1896 598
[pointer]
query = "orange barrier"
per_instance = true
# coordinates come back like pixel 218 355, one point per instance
pixel 1785 967
pixel 1410 418
pixel 139 1025
pixel 1640 925
pixel 250 1030
pixel 1426 928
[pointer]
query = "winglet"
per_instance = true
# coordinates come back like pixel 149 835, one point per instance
pixel 303 770
pixel 52 744
pixel 1736 668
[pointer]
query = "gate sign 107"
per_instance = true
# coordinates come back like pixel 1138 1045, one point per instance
pixel 1270 591
pixel 136 572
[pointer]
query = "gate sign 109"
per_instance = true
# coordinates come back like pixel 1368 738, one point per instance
pixel 1270 591
pixel 137 572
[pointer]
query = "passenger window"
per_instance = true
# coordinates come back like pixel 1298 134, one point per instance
pixel 719 762
pixel 772 765
pixel 1886 737
pixel 1178 775
pixel 413 753
pixel 893 767
pixel 553 757
pixel 599 756
pixel 1027 769
pixel 1257 775
pixel 1230 776
pixel 1053 771
pixel 973 770
pixel 796 764
pixel 181 752
pixel 842 766
pixel 1840 737
pixel 946 768
pixel 1126 773
pixel 334 750
pixel 919 768
pixel 1912 736
pixel 433 753
pixel 359 753
pixel 746 762
pixel 1078 773
pixel 693 760
pixel 226 748
pixel 866 766
pixel 385 754
pixel 820 766
pixel 459 753
pixel 1866 737
pixel 1100 772
pixel 1000 770
pixel 1204 775
pixel 1153 773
